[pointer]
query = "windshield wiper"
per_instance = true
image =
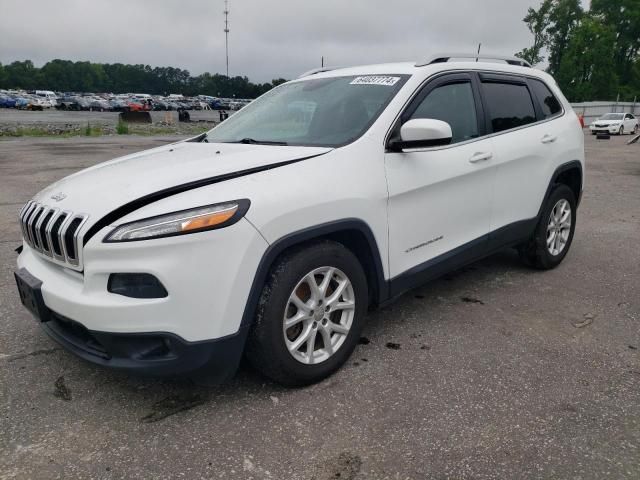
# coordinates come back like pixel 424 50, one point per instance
pixel 252 141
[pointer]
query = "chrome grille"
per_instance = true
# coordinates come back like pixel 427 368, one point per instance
pixel 53 232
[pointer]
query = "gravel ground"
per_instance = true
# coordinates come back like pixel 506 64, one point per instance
pixel 494 371
pixel 18 123
pixel 27 118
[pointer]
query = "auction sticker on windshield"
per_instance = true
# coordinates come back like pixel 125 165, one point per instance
pixel 375 80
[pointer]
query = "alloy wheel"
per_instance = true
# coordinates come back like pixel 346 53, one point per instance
pixel 559 227
pixel 319 315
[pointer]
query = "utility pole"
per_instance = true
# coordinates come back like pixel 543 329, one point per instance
pixel 226 32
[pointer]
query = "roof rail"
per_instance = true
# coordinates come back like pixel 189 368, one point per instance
pixel 445 57
pixel 317 70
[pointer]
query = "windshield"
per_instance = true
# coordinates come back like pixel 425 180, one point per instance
pixel 321 112
pixel 613 116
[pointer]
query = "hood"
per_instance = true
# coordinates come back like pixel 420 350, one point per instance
pixel 103 188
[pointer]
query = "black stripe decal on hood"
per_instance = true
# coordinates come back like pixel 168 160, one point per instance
pixel 134 205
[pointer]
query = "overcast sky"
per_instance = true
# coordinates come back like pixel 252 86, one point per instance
pixel 268 39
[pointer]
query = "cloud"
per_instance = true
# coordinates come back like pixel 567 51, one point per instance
pixel 268 39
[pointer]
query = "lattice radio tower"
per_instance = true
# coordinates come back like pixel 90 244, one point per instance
pixel 226 32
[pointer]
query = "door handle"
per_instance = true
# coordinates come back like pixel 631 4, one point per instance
pixel 480 157
pixel 549 138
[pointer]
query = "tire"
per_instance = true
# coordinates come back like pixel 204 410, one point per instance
pixel 535 252
pixel 268 350
pixel 621 131
pixel 635 129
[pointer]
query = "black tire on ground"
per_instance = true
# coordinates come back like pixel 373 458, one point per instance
pixel 266 349
pixel 534 252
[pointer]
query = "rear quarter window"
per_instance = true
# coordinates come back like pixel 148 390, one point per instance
pixel 510 105
pixel 548 102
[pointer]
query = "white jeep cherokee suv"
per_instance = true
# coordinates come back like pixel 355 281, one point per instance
pixel 272 234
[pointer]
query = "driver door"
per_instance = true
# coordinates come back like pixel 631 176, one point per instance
pixel 629 123
pixel 440 198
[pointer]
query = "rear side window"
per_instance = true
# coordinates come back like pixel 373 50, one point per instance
pixel 509 105
pixel 548 102
pixel 454 104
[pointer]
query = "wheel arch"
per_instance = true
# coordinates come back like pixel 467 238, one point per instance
pixel 570 174
pixel 354 234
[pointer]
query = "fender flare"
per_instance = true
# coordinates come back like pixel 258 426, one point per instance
pixel 553 181
pixel 305 235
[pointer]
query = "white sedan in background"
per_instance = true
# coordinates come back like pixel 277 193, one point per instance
pixel 615 123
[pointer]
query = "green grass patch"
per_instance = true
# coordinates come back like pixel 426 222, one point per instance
pixel 122 128
pixel 90 131
pixel 35 132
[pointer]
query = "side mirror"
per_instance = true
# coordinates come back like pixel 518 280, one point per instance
pixel 422 133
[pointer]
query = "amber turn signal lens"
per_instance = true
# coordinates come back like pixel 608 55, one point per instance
pixel 209 220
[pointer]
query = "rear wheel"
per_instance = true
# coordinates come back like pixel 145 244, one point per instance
pixel 554 233
pixel 310 314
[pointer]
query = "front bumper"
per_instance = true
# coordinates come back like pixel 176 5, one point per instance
pixel 154 354
pixel 612 130
pixel 207 275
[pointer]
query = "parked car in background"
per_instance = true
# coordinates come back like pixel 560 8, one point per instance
pixel 160 105
pixel 139 105
pixel 99 105
pixel 49 98
pixel 119 104
pixel 7 101
pixel 615 124
pixel 21 102
pixel 67 102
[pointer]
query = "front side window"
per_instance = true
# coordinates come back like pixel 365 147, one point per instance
pixel 510 105
pixel 548 102
pixel 454 104
pixel 319 112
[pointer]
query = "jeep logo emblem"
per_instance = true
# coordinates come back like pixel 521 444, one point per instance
pixel 58 197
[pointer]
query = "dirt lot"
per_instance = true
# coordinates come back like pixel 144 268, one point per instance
pixel 497 372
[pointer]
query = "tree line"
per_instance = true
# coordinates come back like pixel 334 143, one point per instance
pixel 594 54
pixel 69 76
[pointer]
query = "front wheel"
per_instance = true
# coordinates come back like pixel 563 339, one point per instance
pixel 553 235
pixel 310 314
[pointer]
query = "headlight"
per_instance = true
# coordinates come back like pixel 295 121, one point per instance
pixel 193 220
